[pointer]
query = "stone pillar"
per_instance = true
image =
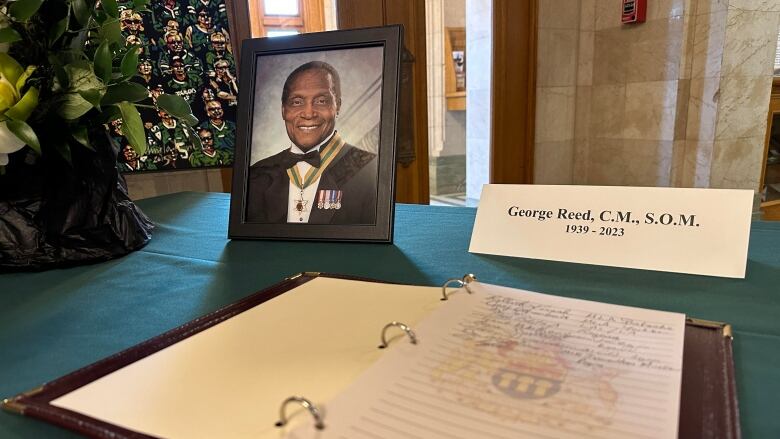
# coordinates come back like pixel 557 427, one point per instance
pixel 731 65
pixel 434 33
pixel 479 49
pixel 746 71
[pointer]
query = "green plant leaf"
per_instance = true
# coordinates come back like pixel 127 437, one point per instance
pixel 173 105
pixel 9 35
pixel 82 11
pixel 111 7
pixel 111 31
pixel 130 61
pixel 177 107
pixel 22 10
pixel 93 96
pixel 139 4
pixel 100 17
pixel 62 82
pixel 8 95
pixel 72 106
pixel 81 134
pixel 190 120
pixel 63 149
pixel 126 91
pixel 22 109
pixel 23 78
pixel 25 133
pixel 81 77
pixel 133 127
pixel 58 29
pixel 10 68
pixel 194 138
pixel 103 62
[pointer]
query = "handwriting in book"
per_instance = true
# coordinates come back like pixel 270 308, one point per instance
pixel 547 365
pixel 504 363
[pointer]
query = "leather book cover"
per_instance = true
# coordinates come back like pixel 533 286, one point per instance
pixel 708 407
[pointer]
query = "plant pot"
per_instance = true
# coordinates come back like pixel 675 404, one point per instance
pixel 54 214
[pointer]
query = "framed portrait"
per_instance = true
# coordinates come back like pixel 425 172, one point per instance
pixel 315 137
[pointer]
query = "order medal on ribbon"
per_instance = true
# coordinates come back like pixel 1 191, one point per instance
pixel 321 199
pixel 329 199
pixel 326 199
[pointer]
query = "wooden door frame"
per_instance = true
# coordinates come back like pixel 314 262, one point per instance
pixel 513 82
pixel 240 29
pixel 412 181
pixel 774 107
pixel 514 57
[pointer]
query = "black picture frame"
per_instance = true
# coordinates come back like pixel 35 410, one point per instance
pixel 389 38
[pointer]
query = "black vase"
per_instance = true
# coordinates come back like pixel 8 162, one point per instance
pixel 55 214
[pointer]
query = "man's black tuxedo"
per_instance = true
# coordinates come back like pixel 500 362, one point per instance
pixel 353 171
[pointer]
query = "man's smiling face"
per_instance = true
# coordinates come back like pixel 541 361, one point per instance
pixel 310 110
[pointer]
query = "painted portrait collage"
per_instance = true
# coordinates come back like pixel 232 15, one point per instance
pixel 186 51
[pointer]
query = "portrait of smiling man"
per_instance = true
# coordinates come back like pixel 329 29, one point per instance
pixel 318 178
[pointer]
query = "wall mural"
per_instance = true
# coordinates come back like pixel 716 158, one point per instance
pixel 185 50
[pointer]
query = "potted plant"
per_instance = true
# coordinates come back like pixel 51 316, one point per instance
pixel 65 72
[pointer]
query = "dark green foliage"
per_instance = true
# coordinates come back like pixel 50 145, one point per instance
pixel 83 72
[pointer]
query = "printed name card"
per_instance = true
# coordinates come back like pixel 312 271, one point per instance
pixel 696 231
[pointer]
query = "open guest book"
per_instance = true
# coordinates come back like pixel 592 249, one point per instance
pixel 302 359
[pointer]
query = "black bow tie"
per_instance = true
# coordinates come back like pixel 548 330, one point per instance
pixel 312 157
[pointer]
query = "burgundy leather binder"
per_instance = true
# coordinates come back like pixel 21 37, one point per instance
pixel 708 407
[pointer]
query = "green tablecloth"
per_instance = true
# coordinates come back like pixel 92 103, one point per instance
pixel 54 322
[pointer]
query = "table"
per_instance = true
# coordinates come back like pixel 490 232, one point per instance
pixel 54 322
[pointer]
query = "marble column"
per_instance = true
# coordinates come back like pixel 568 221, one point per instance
pixel 479 47
pixel 746 70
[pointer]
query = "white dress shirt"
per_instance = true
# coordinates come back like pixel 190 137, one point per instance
pixel 309 193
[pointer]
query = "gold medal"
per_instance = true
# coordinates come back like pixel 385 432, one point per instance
pixel 300 204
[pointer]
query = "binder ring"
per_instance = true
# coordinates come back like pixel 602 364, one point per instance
pixel 405 328
pixel 464 282
pixel 308 405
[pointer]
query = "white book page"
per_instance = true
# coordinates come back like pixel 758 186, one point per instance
pixel 229 380
pixel 505 363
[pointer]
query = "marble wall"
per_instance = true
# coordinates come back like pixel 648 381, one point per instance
pixel 627 94
pixel 746 71
pixel 446 129
pixel 679 100
pixel 558 40
pixel 479 44
pixel 434 37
